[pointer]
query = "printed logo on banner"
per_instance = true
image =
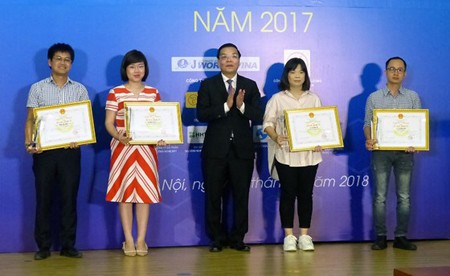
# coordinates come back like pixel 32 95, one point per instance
pixel 202 64
pixel 303 54
pixel 196 134
pixel 259 136
pixel 191 99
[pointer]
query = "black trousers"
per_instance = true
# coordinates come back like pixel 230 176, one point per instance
pixel 220 175
pixel 297 183
pixel 56 170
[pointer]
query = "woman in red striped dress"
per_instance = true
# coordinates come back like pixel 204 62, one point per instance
pixel 133 176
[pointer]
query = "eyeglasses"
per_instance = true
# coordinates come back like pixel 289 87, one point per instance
pixel 225 57
pixel 396 70
pixel 61 59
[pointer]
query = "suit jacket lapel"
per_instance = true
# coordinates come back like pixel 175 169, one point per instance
pixel 221 87
pixel 239 83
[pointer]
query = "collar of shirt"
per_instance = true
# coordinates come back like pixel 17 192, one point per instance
pixel 386 91
pixel 50 80
pixel 288 93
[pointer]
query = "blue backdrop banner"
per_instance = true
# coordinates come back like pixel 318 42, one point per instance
pixel 345 45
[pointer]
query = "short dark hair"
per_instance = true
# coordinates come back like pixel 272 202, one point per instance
pixel 228 45
pixel 133 56
pixel 291 65
pixel 392 58
pixel 60 47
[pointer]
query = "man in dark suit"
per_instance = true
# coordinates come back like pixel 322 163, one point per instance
pixel 228 102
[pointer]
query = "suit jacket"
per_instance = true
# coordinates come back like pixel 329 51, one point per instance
pixel 210 108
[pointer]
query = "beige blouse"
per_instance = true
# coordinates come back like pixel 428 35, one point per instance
pixel 274 117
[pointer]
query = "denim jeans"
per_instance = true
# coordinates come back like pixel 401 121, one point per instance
pixel 382 163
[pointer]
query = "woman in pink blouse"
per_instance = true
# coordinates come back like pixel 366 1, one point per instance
pixel 295 170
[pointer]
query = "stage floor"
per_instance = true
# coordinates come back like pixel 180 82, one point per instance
pixel 328 259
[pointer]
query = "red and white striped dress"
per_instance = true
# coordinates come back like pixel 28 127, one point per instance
pixel 133 174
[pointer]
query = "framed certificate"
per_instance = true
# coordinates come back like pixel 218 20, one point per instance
pixel 311 127
pixel 57 126
pixel 149 122
pixel 398 129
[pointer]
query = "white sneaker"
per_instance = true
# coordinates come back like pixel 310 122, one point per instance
pixel 290 243
pixel 305 243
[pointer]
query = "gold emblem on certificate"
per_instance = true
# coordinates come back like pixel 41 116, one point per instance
pixel 153 119
pixel 313 126
pixel 401 127
pixel 64 122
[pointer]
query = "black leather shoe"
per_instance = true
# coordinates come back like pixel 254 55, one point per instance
pixel 380 243
pixel 240 246
pixel 71 253
pixel 403 243
pixel 41 255
pixel 215 247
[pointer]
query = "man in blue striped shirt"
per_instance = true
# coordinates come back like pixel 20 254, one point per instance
pixel 393 96
pixel 58 168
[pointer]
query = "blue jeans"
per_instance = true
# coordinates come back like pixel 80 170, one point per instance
pixel 382 164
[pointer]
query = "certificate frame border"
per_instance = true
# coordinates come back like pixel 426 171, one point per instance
pixel 334 110
pixel 154 104
pixel 426 113
pixel 88 104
